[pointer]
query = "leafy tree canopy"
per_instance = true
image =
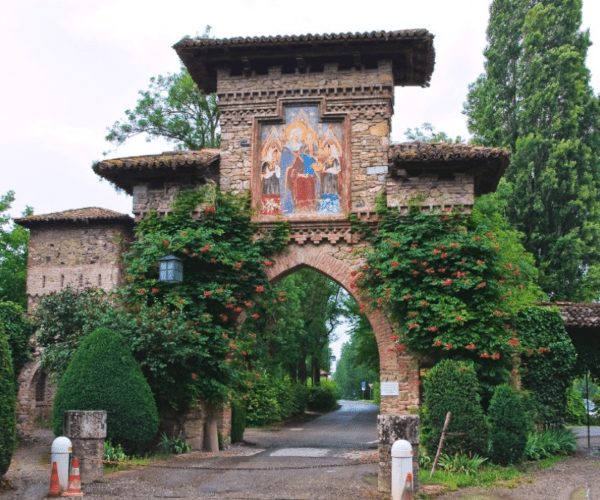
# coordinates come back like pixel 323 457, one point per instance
pixel 175 109
pixel 14 242
pixel 427 133
pixel 535 98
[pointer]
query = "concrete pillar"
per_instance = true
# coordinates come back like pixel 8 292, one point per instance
pixel 390 428
pixel 87 431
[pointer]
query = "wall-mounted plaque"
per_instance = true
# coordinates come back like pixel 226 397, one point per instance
pixel 389 388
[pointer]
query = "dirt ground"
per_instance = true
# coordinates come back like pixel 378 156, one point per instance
pixel 578 478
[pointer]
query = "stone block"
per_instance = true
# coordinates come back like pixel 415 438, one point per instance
pixel 87 431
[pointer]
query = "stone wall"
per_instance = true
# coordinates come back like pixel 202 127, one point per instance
pixel 436 192
pixel 75 256
pixel 156 197
pixel 34 398
pixel 362 98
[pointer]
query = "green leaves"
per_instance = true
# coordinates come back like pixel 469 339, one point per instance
pixel 535 98
pixel 173 108
pixel 14 242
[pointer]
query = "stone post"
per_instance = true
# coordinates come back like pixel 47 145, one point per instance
pixel 390 428
pixel 87 431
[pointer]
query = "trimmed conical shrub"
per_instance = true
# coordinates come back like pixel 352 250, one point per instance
pixel 508 423
pixel 452 386
pixel 7 404
pixel 103 375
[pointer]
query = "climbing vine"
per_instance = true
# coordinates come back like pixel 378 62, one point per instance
pixel 452 290
pixel 224 263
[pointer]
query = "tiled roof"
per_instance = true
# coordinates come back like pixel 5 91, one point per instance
pixel 487 165
pixel 168 160
pixel 445 152
pixel 127 172
pixel 77 215
pixel 579 315
pixel 410 51
pixel 279 40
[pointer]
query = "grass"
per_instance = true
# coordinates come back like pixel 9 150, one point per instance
pixel 488 476
pixel 146 459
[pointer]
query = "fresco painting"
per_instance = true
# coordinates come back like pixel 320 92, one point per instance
pixel 301 165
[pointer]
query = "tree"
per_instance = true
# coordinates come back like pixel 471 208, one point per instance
pixel 175 109
pixel 14 242
pixel 535 99
pixel 103 375
pixel 8 423
pixel 294 330
pixel 427 133
pixel 350 372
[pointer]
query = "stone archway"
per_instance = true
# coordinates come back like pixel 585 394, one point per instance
pixel 393 367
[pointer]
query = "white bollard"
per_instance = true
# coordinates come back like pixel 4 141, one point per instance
pixel 401 466
pixel 61 454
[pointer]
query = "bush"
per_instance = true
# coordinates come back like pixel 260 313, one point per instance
pixel 323 397
pixel 270 400
pixel 103 375
pixel 508 426
pixel 548 365
pixel 7 404
pixel 452 386
pixel 262 403
pixel 18 330
pixel 576 412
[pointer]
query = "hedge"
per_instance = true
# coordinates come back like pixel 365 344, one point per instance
pixel 103 375
pixel 7 404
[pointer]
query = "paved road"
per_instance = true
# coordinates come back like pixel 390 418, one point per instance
pixel 321 448
pixel 353 426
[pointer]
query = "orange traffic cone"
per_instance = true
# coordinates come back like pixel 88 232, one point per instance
pixel 54 487
pixel 74 488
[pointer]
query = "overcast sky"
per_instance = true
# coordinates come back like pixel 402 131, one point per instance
pixel 70 68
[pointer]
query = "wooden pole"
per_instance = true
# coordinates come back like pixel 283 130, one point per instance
pixel 441 445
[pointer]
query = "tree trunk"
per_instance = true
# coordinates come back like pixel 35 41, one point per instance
pixel 316 371
pixel 302 371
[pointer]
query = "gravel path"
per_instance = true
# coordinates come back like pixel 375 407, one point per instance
pixel 578 478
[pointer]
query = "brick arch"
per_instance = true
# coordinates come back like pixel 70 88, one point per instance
pixel 393 367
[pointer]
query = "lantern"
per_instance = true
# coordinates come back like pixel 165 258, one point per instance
pixel 170 269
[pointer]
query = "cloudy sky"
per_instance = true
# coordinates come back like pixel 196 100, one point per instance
pixel 71 67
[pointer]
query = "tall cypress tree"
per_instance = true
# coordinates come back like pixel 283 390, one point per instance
pixel 535 99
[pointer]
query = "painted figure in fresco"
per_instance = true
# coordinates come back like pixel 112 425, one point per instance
pixel 301 165
pixel 330 196
pixel 297 159
pixel 270 173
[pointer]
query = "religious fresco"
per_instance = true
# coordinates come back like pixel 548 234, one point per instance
pixel 301 165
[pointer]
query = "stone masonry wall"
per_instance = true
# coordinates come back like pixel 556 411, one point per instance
pixel 156 197
pixel 34 398
pixel 363 97
pixel 74 256
pixel 437 193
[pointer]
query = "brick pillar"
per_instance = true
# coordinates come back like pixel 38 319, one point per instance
pixel 390 428
pixel 87 432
